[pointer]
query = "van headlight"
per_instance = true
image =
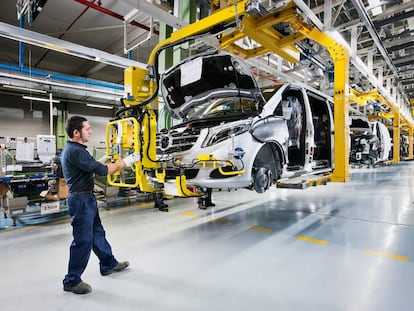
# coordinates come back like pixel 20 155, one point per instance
pixel 219 134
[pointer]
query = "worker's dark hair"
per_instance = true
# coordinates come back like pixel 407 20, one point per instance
pixel 74 123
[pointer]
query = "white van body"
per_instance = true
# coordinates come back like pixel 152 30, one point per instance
pixel 363 142
pixel 384 140
pixel 256 136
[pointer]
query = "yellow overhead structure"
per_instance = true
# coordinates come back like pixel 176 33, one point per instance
pixel 399 122
pixel 355 97
pixel 239 24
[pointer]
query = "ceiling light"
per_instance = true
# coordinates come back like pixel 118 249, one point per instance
pixel 99 106
pixel 41 99
pixel 376 11
pixel 375 7
pixel 22 88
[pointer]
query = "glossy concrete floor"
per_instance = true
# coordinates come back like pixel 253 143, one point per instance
pixel 344 246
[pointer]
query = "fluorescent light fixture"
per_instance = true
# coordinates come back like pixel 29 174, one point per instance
pixel 375 7
pixel 99 106
pixel 376 11
pixel 41 99
pixel 22 88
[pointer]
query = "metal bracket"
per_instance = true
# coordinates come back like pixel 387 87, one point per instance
pixel 127 19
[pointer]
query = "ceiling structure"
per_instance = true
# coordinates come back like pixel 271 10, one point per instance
pixel 381 31
pixel 383 36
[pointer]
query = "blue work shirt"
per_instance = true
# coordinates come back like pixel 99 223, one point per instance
pixel 79 167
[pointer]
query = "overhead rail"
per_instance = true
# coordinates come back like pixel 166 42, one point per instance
pixel 66 78
pixel 27 78
pixel 47 42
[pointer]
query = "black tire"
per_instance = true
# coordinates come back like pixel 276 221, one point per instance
pixel 266 169
pixel 262 179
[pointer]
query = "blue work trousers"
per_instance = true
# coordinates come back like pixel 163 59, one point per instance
pixel 88 234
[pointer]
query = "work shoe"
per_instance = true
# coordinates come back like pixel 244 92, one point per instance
pixel 118 268
pixel 210 203
pixel 161 206
pixel 80 289
pixel 164 208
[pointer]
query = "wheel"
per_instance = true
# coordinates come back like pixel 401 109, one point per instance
pixel 262 179
pixel 266 168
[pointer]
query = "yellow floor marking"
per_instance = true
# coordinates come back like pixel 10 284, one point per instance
pixel 267 230
pixel 390 256
pixel 17 230
pixel 312 240
pixel 221 220
pixel 191 214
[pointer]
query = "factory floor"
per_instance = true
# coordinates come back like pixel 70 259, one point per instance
pixel 343 246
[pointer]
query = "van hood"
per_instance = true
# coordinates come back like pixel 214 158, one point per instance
pixel 204 77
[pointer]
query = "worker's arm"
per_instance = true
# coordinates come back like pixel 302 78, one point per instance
pixel 125 162
pixel 115 167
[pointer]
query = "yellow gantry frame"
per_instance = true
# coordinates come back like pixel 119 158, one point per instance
pixel 399 122
pixel 260 29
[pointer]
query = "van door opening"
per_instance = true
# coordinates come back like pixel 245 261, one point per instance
pixel 321 118
pixel 297 129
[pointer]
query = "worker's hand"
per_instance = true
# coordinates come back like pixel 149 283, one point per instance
pixel 104 159
pixel 131 159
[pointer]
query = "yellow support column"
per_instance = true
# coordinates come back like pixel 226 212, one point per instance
pixel 341 113
pixel 396 139
pixel 340 57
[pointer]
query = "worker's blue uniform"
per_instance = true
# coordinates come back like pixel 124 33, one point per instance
pixel 79 168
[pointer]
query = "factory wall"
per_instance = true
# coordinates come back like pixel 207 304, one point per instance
pixel 19 119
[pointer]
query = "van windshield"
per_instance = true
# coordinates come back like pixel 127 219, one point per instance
pixel 227 107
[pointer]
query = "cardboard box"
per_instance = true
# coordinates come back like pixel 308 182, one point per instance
pixel 3 190
pixel 48 195
pixel 62 189
pixel 61 192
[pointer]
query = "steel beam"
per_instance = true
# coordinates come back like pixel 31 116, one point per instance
pixel 362 12
pixel 395 18
pixel 401 46
pixel 47 42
